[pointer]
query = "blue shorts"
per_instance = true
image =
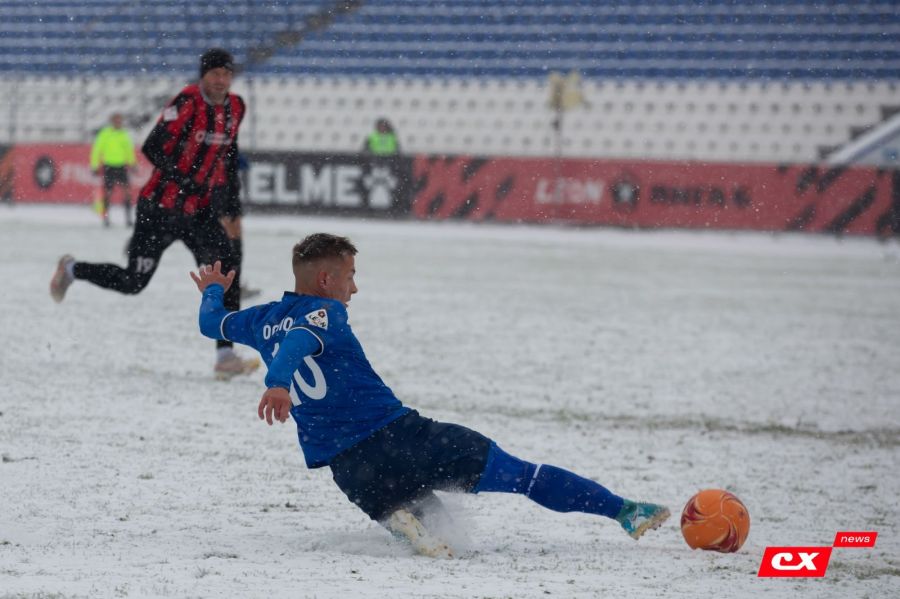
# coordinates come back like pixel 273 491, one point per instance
pixel 407 460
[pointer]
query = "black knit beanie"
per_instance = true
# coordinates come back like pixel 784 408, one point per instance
pixel 215 58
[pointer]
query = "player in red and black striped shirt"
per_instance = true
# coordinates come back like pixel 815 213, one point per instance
pixel 194 184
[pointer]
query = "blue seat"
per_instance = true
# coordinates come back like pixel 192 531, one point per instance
pixel 668 39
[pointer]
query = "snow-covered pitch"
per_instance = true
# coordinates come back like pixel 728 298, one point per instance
pixel 657 363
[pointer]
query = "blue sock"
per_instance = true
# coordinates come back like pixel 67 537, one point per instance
pixel 549 486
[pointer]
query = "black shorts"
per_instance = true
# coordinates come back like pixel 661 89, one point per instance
pixel 226 202
pixel 114 175
pixel 155 230
pixel 406 460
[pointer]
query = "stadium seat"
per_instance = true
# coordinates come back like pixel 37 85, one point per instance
pixel 696 79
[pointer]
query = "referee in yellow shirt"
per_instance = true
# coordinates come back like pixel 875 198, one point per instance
pixel 114 152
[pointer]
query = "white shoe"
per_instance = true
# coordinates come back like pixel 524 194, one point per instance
pixel 61 279
pixel 405 525
pixel 230 365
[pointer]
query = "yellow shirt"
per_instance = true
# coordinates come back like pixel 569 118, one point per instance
pixel 112 147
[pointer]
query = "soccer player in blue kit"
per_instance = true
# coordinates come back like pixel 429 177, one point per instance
pixel 384 456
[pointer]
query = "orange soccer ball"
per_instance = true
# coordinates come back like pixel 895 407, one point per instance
pixel 715 520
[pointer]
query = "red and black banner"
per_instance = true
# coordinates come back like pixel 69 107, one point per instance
pixel 60 173
pixel 640 194
pixel 657 194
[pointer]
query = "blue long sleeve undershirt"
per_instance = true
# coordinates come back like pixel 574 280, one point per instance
pixel 212 311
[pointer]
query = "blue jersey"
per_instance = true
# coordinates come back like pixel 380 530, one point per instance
pixel 309 348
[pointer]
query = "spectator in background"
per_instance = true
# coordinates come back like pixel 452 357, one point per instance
pixel 382 141
pixel 113 151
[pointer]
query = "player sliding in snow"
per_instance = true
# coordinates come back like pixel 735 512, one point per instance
pixel 384 456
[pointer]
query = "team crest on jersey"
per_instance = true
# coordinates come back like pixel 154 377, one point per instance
pixel 318 318
pixel 170 114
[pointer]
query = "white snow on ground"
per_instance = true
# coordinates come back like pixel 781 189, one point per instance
pixel 657 363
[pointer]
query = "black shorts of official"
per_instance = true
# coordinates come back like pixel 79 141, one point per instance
pixel 114 175
pixel 407 460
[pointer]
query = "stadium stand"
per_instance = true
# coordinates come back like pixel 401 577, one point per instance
pixel 692 79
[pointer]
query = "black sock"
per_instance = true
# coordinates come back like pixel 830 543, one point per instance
pixel 237 250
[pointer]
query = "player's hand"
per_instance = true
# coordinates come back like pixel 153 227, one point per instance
pixel 276 401
pixel 209 275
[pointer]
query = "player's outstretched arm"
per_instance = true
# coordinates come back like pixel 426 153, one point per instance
pixel 276 401
pixel 213 284
pixel 209 275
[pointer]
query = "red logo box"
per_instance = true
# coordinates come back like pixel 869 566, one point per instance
pixel 855 539
pixel 810 562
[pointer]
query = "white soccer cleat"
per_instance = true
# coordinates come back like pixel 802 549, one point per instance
pixel 230 365
pixel 61 279
pixel 403 524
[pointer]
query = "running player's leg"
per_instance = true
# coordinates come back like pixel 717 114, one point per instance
pixel 563 491
pixel 126 196
pixel 207 241
pixel 148 242
pixel 235 235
